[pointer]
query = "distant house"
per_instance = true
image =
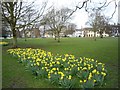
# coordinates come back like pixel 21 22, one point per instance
pixel 115 30
pixel 32 33
pixel 78 33
pixel 87 32
pixel 49 33
pixel 35 32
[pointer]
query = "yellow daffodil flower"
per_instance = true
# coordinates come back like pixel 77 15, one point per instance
pixel 94 71
pixel 69 77
pixel 81 81
pixel 84 81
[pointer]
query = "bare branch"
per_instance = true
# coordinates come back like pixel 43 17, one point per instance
pixel 77 7
pixel 114 11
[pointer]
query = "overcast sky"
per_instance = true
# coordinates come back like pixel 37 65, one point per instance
pixel 80 17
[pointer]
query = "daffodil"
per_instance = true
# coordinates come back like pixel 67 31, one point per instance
pixel 58 62
pixel 99 63
pixel 104 74
pixel 57 68
pixel 92 59
pixel 72 65
pixel 38 63
pixel 89 68
pixel 31 64
pixel 90 76
pixel 84 64
pixel 69 77
pixel 65 69
pixel 68 62
pixel 84 68
pixel 3 43
pixel 49 77
pixel 94 81
pixel 53 62
pixel 42 67
pixel 53 68
pixel 98 72
pixel 94 71
pixel 84 81
pixel 103 69
pixel 81 81
pixel 66 55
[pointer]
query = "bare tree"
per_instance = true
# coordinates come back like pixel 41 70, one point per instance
pixel 29 14
pixel 49 20
pixel 13 11
pixel 32 17
pixel 103 24
pixel 97 19
pixel 57 19
pixel 97 22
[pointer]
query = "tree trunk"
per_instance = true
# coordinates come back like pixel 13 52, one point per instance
pixel 55 36
pixel 101 32
pixel 44 31
pixel 14 39
pixel 94 36
pixel 101 36
pixel 25 35
pixel 58 37
pixel 14 36
pixel 25 39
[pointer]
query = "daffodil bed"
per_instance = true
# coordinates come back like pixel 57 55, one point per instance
pixel 65 70
pixel 4 43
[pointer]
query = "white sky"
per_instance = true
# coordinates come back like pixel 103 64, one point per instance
pixel 80 17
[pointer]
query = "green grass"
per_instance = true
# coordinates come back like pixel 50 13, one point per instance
pixel 104 50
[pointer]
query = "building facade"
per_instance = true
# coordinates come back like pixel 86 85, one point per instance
pixel 32 33
pixel 115 30
pixel 88 32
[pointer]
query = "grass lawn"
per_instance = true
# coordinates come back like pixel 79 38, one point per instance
pixel 104 50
